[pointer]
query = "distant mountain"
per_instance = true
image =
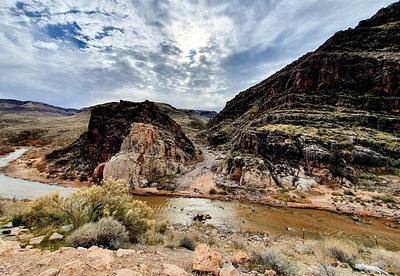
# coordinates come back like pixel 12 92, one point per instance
pixel 15 106
pixel 192 112
pixel 333 113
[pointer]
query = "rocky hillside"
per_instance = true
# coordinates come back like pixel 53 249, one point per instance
pixel 15 106
pixel 153 145
pixel 331 116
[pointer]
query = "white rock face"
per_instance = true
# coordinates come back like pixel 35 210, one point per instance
pixel 147 154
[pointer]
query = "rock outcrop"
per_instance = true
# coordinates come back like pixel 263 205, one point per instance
pixel 329 116
pixel 147 154
pixel 149 141
pixel 206 260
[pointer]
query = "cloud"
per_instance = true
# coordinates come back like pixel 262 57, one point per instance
pixel 193 54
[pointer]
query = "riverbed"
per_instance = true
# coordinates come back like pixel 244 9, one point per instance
pixel 24 189
pixel 233 215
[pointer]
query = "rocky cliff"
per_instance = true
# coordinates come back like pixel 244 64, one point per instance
pixel 145 133
pixel 332 115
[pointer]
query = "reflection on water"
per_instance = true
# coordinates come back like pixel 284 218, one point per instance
pixel 276 221
pixel 23 189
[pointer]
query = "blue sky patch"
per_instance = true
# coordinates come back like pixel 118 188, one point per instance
pixel 69 32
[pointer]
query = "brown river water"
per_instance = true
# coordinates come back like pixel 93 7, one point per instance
pixel 235 216
pixel 249 217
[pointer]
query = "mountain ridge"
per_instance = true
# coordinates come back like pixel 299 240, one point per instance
pixel 332 114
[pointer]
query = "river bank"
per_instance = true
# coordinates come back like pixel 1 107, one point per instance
pixel 199 183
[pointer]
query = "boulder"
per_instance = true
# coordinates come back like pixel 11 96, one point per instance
pixel 97 176
pixel 36 240
pixel 55 236
pixel 201 217
pixel 17 231
pixel 8 225
pixel 206 260
pixel 67 228
pixel 173 270
pixel 99 259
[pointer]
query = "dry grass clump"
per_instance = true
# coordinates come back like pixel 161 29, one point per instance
pixel 273 260
pixel 239 244
pixel 386 260
pixel 342 250
pixel 107 233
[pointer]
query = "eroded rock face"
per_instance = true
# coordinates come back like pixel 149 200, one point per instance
pixel 147 154
pixel 108 128
pixel 328 114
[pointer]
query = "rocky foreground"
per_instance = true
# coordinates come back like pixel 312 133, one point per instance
pixel 221 253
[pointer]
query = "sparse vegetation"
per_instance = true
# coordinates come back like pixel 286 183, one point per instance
pixel 107 233
pixel 342 250
pixel 270 259
pixel 389 261
pixel 187 242
pixel 90 205
pixel 239 244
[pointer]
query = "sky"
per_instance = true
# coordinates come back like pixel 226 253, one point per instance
pixel 191 54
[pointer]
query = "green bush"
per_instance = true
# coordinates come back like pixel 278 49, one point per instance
pixel 111 199
pixel 16 220
pixel 269 259
pixel 107 233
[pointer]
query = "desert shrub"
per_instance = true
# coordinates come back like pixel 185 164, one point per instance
pixel 270 259
pixel 386 260
pixel 16 220
pixel 152 237
pixel 135 215
pixel 107 232
pixel 111 199
pixel 341 250
pixel 212 191
pixel 161 226
pixel 239 244
pixel 45 211
pixel 2 208
pixel 85 236
pixel 187 242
